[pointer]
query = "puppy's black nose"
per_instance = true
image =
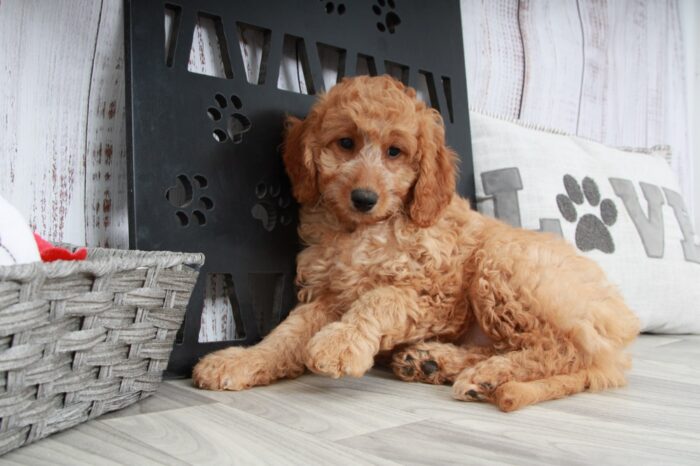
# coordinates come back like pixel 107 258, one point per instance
pixel 363 199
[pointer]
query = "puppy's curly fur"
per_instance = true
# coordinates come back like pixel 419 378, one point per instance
pixel 414 271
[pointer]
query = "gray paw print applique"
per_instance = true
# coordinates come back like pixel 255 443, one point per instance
pixel 592 231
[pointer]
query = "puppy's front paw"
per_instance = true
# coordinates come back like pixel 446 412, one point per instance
pixel 338 350
pixel 230 369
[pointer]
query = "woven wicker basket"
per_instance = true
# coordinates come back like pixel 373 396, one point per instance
pixel 79 339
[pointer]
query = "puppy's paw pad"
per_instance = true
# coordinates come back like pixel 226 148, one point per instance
pixel 429 367
pixel 415 364
pixel 468 392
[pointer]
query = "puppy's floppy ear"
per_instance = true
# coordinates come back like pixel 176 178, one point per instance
pixel 299 161
pixel 436 174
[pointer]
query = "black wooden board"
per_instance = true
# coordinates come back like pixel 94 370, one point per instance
pixel 205 171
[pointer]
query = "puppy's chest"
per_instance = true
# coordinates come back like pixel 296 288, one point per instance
pixel 365 262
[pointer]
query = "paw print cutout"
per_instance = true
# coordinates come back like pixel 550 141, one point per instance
pixel 331 7
pixel 237 124
pixel 592 231
pixel 388 21
pixel 182 196
pixel 272 206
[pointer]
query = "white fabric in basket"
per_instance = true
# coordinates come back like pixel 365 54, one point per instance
pixel 17 244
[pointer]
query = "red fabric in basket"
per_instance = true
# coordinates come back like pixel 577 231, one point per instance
pixel 50 253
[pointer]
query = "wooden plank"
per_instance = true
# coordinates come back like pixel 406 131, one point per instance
pixel 329 414
pixel 106 212
pixel 219 434
pixel 205 52
pixel 657 50
pixel 677 111
pixel 633 93
pixel 533 437
pixel 689 15
pixel 10 30
pixel 613 106
pixel 216 323
pixel 429 442
pixel 251 43
pixel 553 50
pixel 94 443
pixel 378 418
pixel 42 116
pixel 169 396
pixel 494 55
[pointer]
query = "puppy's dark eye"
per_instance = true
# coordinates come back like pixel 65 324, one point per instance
pixel 393 152
pixel 346 143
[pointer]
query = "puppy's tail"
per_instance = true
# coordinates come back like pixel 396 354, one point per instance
pixel 515 395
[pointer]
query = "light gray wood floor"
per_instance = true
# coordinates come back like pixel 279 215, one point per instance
pixel 379 420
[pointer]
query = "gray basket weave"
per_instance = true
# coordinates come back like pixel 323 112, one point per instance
pixel 79 339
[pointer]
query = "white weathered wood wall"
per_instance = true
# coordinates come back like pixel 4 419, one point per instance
pixel 690 25
pixel 62 148
pixel 610 70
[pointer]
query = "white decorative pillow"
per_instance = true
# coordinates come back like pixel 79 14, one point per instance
pixel 622 209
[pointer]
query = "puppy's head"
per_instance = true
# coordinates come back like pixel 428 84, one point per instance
pixel 369 150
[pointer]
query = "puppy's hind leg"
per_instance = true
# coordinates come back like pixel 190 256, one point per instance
pixel 434 362
pixel 540 361
pixel 515 395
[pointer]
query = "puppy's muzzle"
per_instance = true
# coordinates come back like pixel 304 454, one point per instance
pixel 363 199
